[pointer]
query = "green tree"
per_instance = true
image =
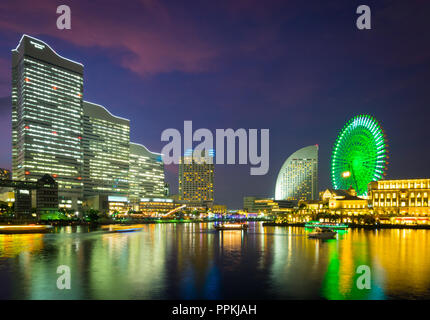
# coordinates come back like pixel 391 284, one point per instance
pixel 92 215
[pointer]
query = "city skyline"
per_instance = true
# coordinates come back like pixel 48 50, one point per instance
pixel 377 83
pixel 214 159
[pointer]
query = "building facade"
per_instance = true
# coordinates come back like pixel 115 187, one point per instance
pixel 345 202
pixel 408 198
pixel 298 177
pixel 267 205
pixel 80 144
pixel 146 174
pixel 106 146
pixel 196 178
pixel 46 195
pixel 47 118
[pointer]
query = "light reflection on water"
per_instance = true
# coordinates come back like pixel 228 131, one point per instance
pixel 194 261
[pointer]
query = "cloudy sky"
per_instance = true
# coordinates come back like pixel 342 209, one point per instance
pixel 298 68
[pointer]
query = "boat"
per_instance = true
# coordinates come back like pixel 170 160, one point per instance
pixel 322 233
pixel 330 225
pixel 123 228
pixel 231 226
pixel 20 229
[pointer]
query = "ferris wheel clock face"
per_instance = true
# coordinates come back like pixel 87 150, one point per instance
pixel 359 154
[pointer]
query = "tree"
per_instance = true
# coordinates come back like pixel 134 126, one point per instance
pixel 92 215
pixel 368 219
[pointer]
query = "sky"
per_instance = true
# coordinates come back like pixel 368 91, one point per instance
pixel 298 68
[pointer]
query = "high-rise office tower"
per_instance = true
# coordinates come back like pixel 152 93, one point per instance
pixel 196 177
pixel 146 173
pixel 106 146
pixel 298 177
pixel 47 118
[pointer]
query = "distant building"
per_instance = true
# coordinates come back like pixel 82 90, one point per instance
pixel 41 195
pixel 250 205
pixel 154 206
pixel 267 205
pixel 5 174
pixel 408 199
pixel 46 195
pixel 343 202
pixel 166 189
pixel 7 195
pixel 146 175
pixel 106 147
pixel 298 177
pixel 47 118
pixel 196 178
pixel 108 204
pixel 219 208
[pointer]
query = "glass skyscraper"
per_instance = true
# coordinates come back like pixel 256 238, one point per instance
pixel 47 118
pixel 106 146
pixel 80 144
pixel 146 174
pixel 298 177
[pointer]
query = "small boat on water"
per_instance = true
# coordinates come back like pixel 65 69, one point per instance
pixel 123 228
pixel 231 226
pixel 330 225
pixel 20 229
pixel 322 233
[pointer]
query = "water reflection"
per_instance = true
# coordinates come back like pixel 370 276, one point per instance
pixel 194 261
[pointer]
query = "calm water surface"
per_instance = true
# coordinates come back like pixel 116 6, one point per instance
pixel 194 261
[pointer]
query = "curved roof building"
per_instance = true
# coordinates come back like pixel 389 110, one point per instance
pixel 146 174
pixel 298 177
pixel 106 146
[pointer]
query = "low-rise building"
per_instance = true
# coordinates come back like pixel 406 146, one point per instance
pixel 404 201
pixel 343 202
pixel 267 205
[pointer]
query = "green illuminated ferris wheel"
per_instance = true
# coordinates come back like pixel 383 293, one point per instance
pixel 359 154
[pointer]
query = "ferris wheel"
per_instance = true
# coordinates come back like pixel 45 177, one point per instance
pixel 359 154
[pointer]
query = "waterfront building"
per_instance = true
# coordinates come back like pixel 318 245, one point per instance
pixel 405 200
pixel 106 146
pixel 196 178
pixel 157 206
pixel 298 177
pixel 219 208
pixel 47 118
pixel 46 195
pixel 84 147
pixel 146 174
pixel 267 205
pixel 7 195
pixel 249 203
pixel 106 204
pixel 41 195
pixel 345 202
